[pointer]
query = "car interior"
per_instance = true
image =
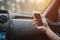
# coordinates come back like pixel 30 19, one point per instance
pixel 16 21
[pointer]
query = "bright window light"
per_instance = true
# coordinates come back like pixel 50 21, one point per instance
pixel 31 0
pixel 2 7
pixel 39 1
pixel 23 1
pixel 1 0
pixel 18 0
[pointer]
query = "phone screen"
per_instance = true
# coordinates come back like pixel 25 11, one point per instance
pixel 37 16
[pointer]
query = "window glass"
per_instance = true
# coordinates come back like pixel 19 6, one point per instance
pixel 59 13
pixel 25 6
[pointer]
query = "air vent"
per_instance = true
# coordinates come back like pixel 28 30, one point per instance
pixel 3 19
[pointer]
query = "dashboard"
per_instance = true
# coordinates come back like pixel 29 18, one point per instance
pixel 2 36
pixel 19 27
pixel 4 25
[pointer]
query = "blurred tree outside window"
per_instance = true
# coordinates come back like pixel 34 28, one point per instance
pixel 28 6
pixel 24 6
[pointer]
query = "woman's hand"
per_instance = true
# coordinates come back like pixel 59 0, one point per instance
pixel 35 22
pixel 45 24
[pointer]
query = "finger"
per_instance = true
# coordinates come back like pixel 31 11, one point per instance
pixel 44 22
pixel 36 23
pixel 35 26
pixel 34 20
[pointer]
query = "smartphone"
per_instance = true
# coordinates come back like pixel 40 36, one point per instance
pixel 37 16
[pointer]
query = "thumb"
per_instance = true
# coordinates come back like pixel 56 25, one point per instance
pixel 45 24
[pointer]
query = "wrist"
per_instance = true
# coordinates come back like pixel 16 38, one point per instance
pixel 47 30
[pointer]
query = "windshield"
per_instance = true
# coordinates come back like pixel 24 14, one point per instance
pixel 24 6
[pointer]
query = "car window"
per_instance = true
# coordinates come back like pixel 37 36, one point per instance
pixel 59 13
pixel 25 6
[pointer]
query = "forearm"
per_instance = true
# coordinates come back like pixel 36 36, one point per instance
pixel 51 34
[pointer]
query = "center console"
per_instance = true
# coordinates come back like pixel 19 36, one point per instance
pixel 4 25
